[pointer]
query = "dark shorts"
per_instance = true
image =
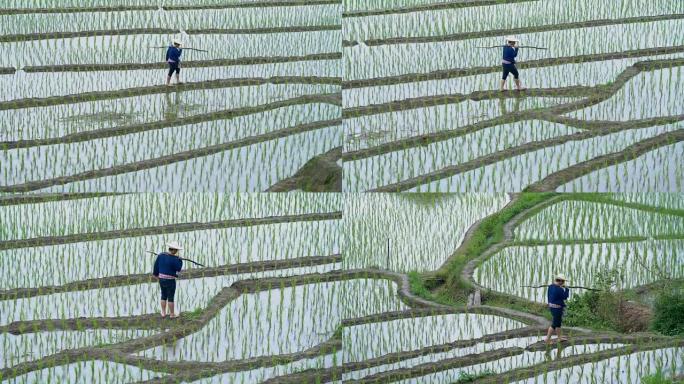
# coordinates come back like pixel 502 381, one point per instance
pixel 174 67
pixel 168 289
pixel 557 317
pixel 509 68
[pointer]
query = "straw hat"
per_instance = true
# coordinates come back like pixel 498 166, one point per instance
pixel 174 245
pixel 176 41
pixel 561 276
pixel 511 38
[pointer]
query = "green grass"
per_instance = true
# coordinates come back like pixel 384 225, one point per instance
pixel 488 232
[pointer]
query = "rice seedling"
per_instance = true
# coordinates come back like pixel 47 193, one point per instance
pixel 418 88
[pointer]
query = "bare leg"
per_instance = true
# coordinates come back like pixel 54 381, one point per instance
pixel 518 86
pixel 168 80
pixel 172 312
pixel 549 332
pixel 163 308
pixel 178 78
pixel 560 335
pixel 503 85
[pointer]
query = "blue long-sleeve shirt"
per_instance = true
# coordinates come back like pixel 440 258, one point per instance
pixel 173 54
pixel 557 295
pixel 167 264
pixel 509 53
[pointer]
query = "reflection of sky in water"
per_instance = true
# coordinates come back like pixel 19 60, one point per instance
pixel 428 57
pixel 526 169
pixel 130 300
pixel 376 171
pixel 110 49
pixel 659 170
pixel 44 84
pixel 640 262
pixel 45 162
pixel 253 168
pixel 562 75
pixel 125 256
pixel 60 120
pixel 368 131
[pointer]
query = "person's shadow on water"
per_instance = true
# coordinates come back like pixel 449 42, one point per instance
pixel 549 355
pixel 504 108
pixel 172 106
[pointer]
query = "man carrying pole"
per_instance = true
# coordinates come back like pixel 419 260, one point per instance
pixel 166 268
pixel 557 293
pixel 173 54
pixel 510 51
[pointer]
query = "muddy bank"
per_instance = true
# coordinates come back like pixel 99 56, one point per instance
pixel 330 98
pixel 428 7
pixel 557 179
pixel 462 72
pixel 164 229
pixel 397 315
pixel 320 174
pixel 162 88
pixel 169 159
pixel 122 280
pixel 247 4
pixel 47 197
pixel 164 31
pixel 185 64
pixel 512 31
pixel 7 70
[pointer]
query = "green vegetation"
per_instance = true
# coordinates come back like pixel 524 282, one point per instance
pixel 465 377
pixel 658 378
pixel 669 313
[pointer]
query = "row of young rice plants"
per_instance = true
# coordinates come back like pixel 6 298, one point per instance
pixel 46 84
pixel 361 62
pixel 410 232
pixel 525 169
pixel 576 220
pixel 22 165
pixel 197 19
pixel 376 171
pixel 125 256
pixel 64 119
pixel 529 15
pixel 658 170
pixel 557 76
pixel 372 130
pixel 30 4
pixel 649 94
pixel 243 169
pixel 640 262
pixel 663 200
pixel 123 49
pixel 140 210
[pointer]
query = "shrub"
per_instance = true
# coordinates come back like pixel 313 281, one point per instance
pixel 668 316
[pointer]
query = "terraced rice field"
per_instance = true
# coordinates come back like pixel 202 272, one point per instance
pixel 78 303
pixel 85 108
pixel 490 339
pixel 322 287
pixel 423 111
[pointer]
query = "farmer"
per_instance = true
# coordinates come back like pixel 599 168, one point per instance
pixel 510 51
pixel 556 295
pixel 173 55
pixel 166 268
